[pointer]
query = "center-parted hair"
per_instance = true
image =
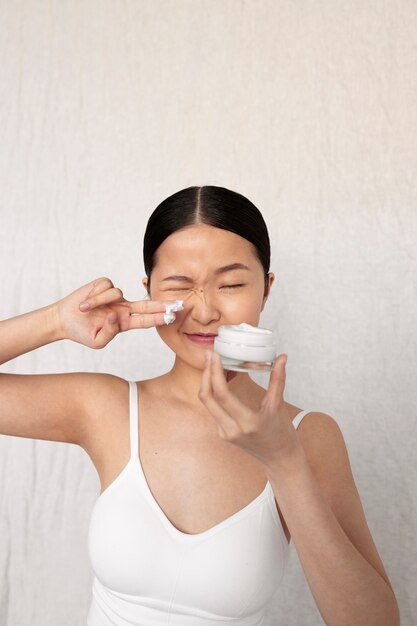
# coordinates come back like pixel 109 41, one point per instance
pixel 211 205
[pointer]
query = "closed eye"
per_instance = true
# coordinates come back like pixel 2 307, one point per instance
pixel 178 289
pixel 188 288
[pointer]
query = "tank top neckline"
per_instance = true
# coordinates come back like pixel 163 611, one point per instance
pixel 209 531
pixel 267 491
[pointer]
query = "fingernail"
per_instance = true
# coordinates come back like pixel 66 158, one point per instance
pixel 84 306
pixel 207 356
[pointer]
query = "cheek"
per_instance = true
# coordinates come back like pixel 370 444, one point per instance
pixel 165 332
pixel 166 336
pixel 169 335
pixel 250 301
pixel 236 310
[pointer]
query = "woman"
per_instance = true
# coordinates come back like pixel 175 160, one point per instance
pixel 205 475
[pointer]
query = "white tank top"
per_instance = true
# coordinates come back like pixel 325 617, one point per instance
pixel 149 573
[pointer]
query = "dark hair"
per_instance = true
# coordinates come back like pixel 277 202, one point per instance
pixel 211 205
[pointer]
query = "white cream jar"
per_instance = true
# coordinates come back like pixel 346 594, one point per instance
pixel 243 347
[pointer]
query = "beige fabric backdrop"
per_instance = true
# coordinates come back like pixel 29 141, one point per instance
pixel 309 109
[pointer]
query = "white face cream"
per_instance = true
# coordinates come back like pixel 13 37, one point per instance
pixel 170 308
pixel 243 347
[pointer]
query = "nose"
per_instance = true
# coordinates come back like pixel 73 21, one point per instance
pixel 202 307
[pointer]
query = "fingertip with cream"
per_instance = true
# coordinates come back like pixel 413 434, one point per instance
pixel 171 308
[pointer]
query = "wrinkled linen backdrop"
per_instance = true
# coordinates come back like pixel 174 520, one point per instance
pixel 107 108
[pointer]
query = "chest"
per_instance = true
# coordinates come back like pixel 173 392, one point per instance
pixel 198 482
pixel 197 479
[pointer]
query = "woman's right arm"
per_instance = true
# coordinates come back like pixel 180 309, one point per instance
pixel 53 406
pixel 27 332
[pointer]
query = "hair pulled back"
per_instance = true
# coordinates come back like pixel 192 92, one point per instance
pixel 211 205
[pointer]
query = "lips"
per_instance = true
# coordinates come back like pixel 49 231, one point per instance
pixel 201 334
pixel 201 338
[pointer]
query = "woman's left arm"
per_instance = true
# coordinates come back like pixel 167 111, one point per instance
pixel 317 496
pixel 311 477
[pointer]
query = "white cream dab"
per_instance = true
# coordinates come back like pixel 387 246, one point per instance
pixel 170 308
pixel 252 329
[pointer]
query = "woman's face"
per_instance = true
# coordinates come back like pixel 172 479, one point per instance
pixel 194 264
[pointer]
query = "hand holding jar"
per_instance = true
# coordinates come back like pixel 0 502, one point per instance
pixel 265 433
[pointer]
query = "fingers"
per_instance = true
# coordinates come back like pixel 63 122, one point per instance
pixel 104 293
pixel 148 306
pixel 275 392
pixel 107 296
pixel 146 320
pixel 139 314
pixel 206 397
pixel 100 285
pixel 224 397
pixel 217 398
pixel 108 331
pixel 148 313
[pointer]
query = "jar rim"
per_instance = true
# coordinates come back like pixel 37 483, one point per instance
pixel 246 336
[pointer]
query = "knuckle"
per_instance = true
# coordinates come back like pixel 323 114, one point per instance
pixel 101 284
pixel 106 281
pixel 145 304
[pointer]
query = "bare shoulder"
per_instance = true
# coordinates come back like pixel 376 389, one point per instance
pixel 100 389
pixel 320 432
pixel 327 455
pixel 105 402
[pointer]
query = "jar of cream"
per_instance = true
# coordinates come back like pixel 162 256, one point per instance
pixel 243 347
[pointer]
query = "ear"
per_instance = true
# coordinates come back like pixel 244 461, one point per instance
pixel 145 283
pixel 271 278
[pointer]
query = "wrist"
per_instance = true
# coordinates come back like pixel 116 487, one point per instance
pixel 289 459
pixel 53 325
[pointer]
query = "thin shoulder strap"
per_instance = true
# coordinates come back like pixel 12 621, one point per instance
pixel 297 419
pixel 133 419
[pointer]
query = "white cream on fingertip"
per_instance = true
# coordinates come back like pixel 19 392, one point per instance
pixel 170 308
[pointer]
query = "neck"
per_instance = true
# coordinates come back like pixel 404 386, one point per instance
pixel 186 382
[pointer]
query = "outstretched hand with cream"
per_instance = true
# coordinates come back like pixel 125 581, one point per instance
pixel 265 433
pixel 95 313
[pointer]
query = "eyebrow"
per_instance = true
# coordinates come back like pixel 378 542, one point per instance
pixel 219 270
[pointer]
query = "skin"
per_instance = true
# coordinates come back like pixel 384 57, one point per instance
pixel 209 299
